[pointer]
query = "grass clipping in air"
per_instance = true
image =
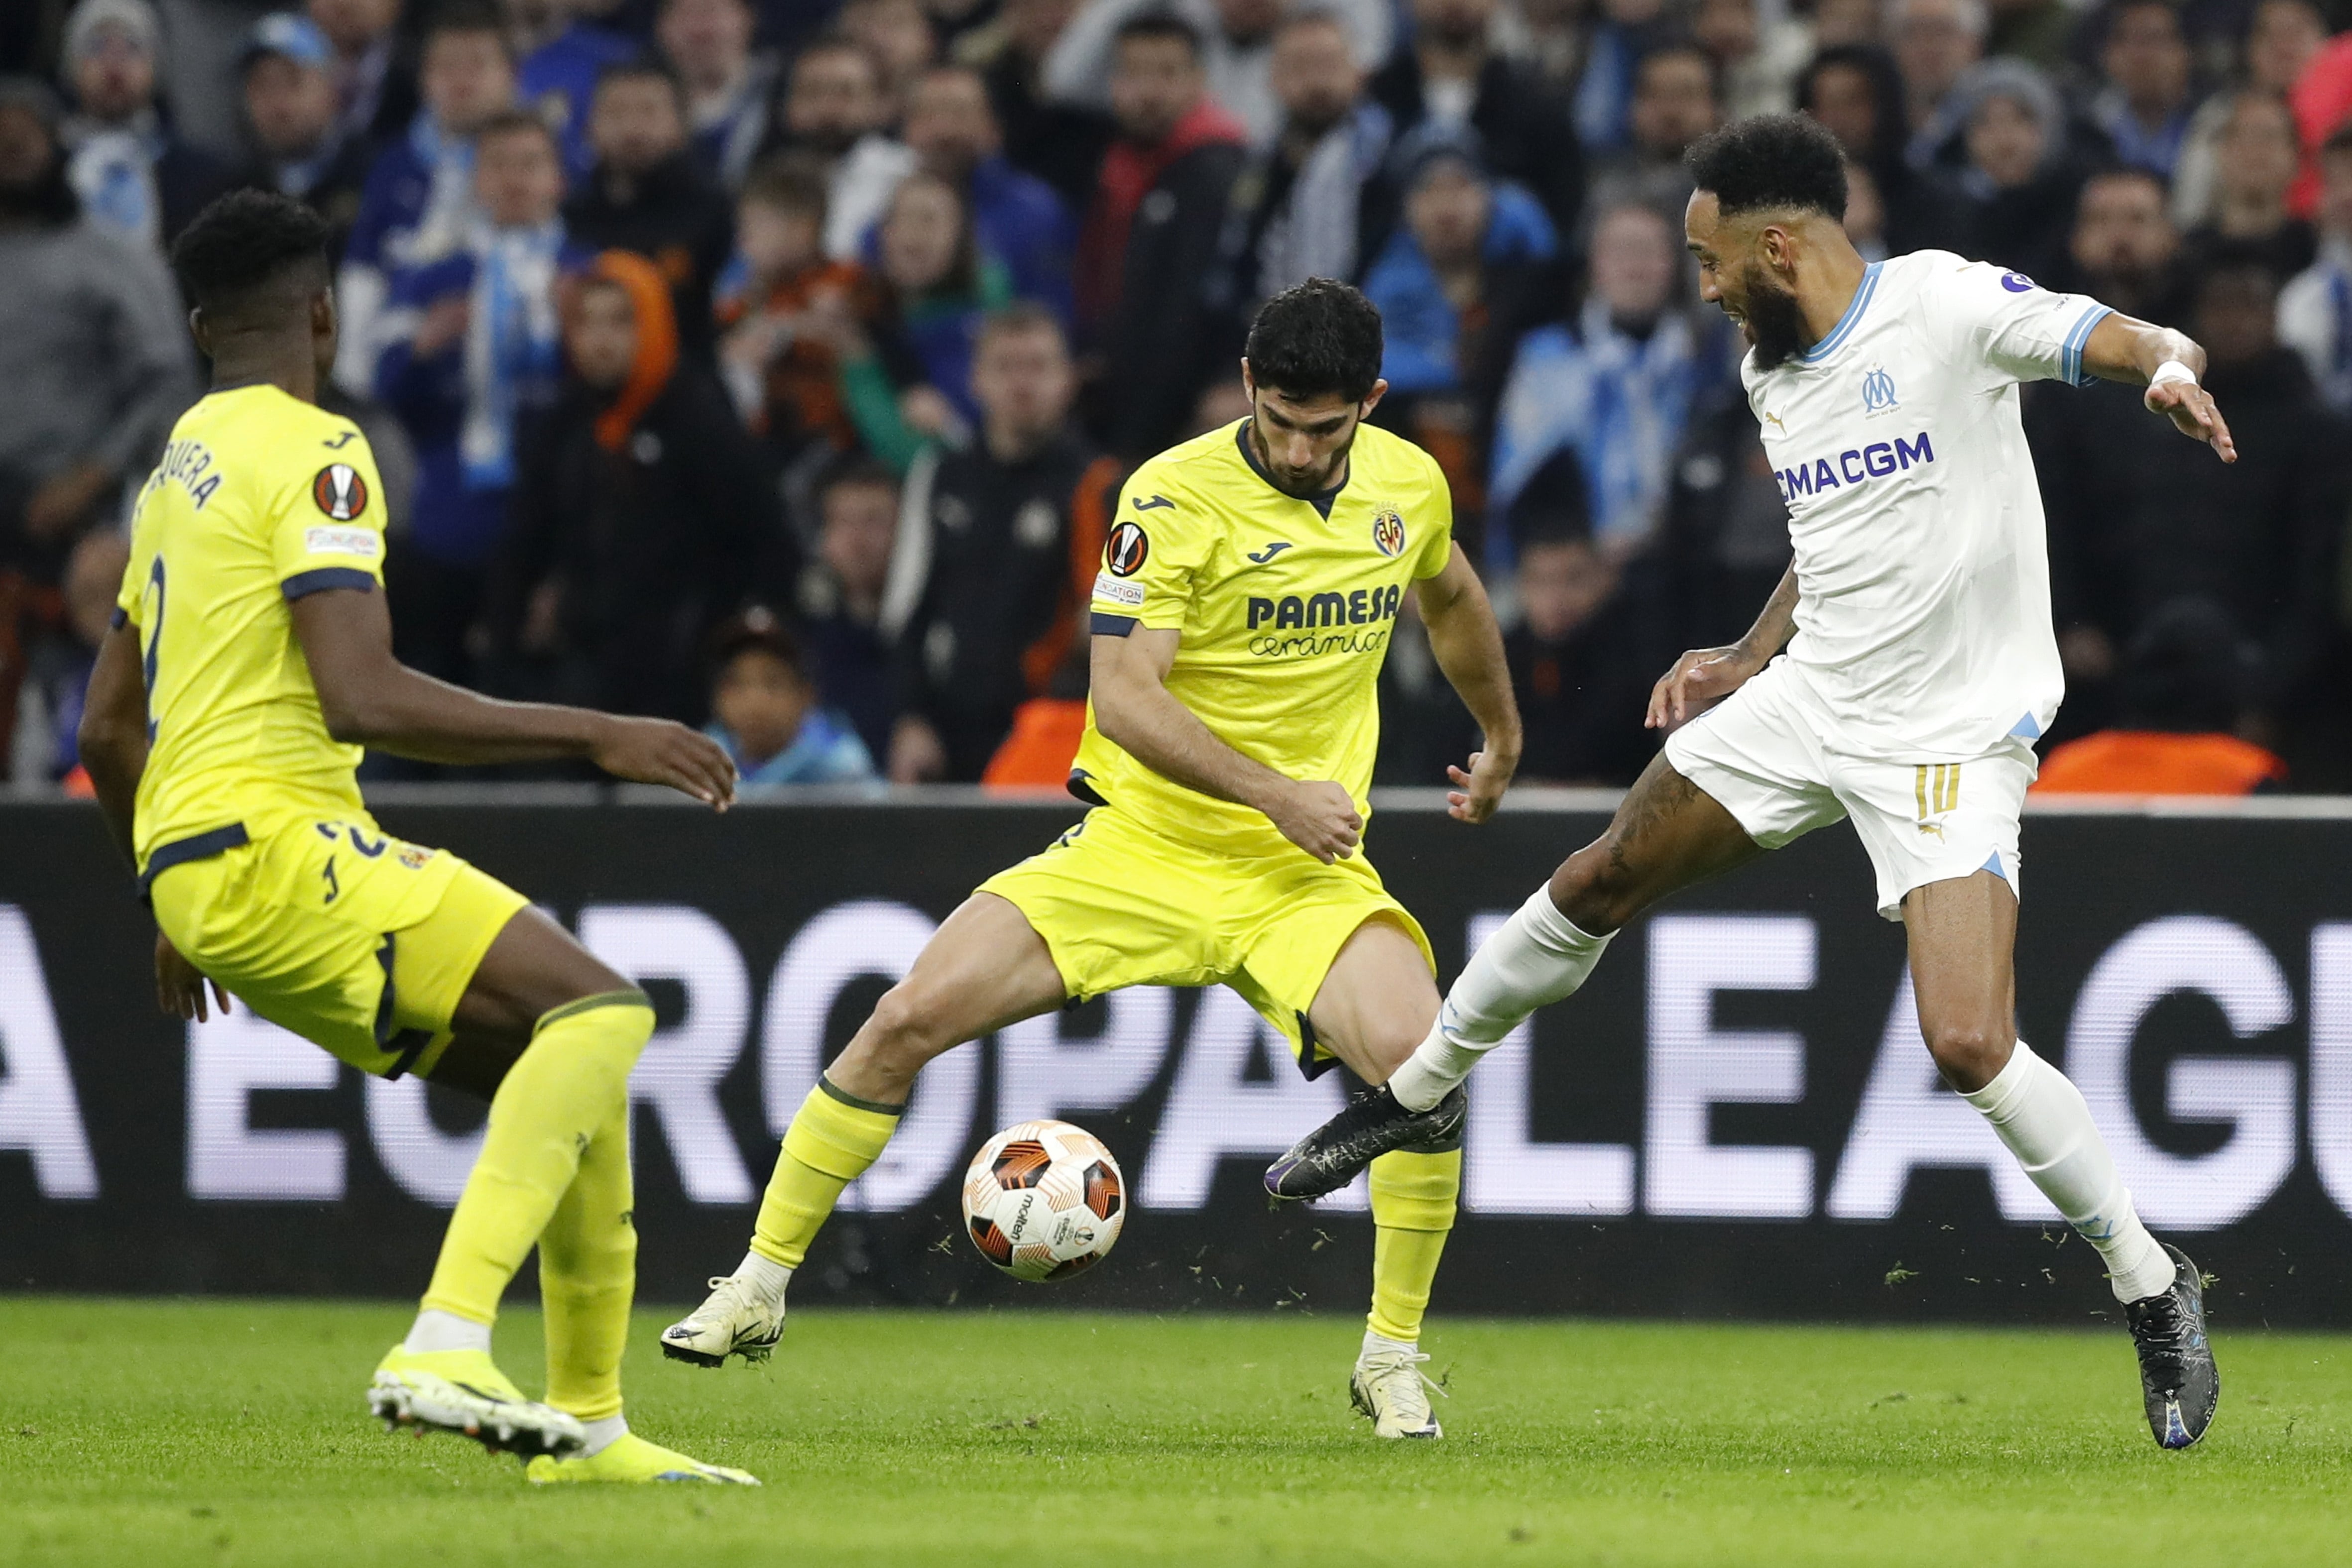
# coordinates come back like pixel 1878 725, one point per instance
pixel 213 1432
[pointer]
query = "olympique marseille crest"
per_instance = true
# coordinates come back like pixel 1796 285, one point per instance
pixel 1388 532
pixel 1877 391
pixel 339 492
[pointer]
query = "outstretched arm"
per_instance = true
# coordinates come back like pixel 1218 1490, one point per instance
pixel 1705 676
pixel 1469 649
pixel 370 697
pixel 1135 712
pixel 2122 349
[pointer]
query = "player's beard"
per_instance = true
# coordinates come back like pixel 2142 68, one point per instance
pixel 1776 324
pixel 1307 488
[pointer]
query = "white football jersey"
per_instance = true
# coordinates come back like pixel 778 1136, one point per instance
pixel 1923 614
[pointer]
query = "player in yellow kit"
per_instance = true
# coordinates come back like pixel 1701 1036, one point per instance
pixel 250 661
pixel 1249 587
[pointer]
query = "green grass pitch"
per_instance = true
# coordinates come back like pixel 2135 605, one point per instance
pixel 174 1432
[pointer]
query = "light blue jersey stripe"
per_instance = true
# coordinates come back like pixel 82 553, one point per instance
pixel 1847 322
pixel 2070 358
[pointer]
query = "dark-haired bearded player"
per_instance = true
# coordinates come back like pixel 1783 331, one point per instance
pixel 1247 593
pixel 1915 666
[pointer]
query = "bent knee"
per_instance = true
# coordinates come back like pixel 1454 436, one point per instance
pixel 904 1027
pixel 1593 889
pixel 1970 1057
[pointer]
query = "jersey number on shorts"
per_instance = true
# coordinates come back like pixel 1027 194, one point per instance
pixel 154 640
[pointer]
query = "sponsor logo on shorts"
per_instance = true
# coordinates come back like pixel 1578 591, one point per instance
pixel 1937 788
pixel 415 856
pixel 339 492
pixel 1128 593
pixel 364 542
pixel 1129 547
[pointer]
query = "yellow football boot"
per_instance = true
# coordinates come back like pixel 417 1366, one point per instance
pixel 630 1459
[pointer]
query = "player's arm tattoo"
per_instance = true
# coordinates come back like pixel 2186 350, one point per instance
pixel 1775 625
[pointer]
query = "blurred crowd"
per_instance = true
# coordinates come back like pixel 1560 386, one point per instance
pixel 774 364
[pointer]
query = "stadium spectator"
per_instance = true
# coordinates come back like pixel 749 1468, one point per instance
pixel 1547 35
pixel 1312 201
pixel 1865 215
pixel 2035 31
pixel 850 630
pixel 472 351
pixel 2125 251
pixel 2016 191
pixel 2181 699
pixel 1007 535
pixel 1855 91
pixel 763 710
pixel 941 286
pixel 1934 43
pixel 1016 216
pixel 2133 529
pixel 730 88
pixel 1674 104
pixel 898 36
pixel 2145 106
pixel 134 174
pixel 643 513
pixel 777 358
pixel 1617 384
pixel 1620 34
pixel 1468 267
pixel 2314 314
pixel 646 194
pixel 299 146
pixel 1580 663
pixel 1756 58
pixel 834 111
pixel 58 673
pixel 2281 41
pixel 957 21
pixel 1151 237
pixel 374 71
pixel 1453 75
pixel 561 55
pixel 419 199
pixel 1725 543
pixel 1236 45
pixel 2250 222
pixel 1060 143
pixel 95 362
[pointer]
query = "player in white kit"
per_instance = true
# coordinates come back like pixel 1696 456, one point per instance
pixel 1898 678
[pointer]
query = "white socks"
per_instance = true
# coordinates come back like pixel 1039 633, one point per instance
pixel 1374 1343
pixel 1535 959
pixel 2041 1115
pixel 602 1434
pixel 436 1329
pixel 767 1277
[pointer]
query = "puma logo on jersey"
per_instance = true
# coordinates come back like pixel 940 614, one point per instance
pixel 1775 419
pixel 1262 555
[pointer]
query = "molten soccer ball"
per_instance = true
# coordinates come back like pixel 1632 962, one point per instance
pixel 1044 1200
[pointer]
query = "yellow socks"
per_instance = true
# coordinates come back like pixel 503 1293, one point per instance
pixel 588 1274
pixel 1412 1211
pixel 566 1095
pixel 833 1139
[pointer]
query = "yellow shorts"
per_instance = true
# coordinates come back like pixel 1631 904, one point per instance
pixel 1120 905
pixel 332 928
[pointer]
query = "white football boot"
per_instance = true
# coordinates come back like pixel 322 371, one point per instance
pixel 1390 1386
pixel 735 1319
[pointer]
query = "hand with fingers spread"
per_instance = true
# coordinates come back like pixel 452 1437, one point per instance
pixel 1699 679
pixel 180 988
pixel 2191 408
pixel 1480 789
pixel 1319 817
pixel 657 751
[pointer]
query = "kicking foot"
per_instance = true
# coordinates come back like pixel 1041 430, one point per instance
pixel 734 1320
pixel 1373 1124
pixel 629 1458
pixel 463 1391
pixel 2177 1379
pixel 1390 1386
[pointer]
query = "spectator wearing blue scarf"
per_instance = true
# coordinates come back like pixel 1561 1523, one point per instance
pixel 475 349
pixel 1617 385
pixel 1450 283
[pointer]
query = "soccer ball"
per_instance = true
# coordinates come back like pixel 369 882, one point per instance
pixel 1044 1200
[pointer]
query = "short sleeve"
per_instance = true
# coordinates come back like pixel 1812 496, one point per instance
pixel 2024 331
pixel 133 589
pixel 1437 526
pixel 328 528
pixel 1155 547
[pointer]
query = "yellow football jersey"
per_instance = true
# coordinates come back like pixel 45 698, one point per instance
pixel 260 498
pixel 1285 608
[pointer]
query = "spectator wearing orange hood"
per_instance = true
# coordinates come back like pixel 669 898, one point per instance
pixel 644 513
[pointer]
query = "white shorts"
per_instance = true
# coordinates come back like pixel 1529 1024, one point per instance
pixel 1770 758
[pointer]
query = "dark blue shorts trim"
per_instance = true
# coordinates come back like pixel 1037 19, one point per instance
pixel 180 852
